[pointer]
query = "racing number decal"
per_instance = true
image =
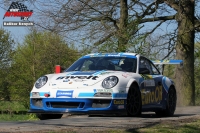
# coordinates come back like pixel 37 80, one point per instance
pixel 152 96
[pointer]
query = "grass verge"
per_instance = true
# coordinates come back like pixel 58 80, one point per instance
pixel 173 127
pixel 14 111
pixel 16 117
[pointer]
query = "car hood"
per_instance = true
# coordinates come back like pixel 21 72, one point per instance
pixel 79 79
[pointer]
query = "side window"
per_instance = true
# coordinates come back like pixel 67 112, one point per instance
pixel 148 65
pixel 144 63
pixel 154 69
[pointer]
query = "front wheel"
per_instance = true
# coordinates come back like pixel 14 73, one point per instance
pixel 171 104
pixel 49 116
pixel 134 104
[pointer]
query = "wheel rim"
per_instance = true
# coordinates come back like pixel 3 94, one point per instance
pixel 133 102
pixel 172 100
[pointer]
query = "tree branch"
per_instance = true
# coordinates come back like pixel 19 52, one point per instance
pixel 155 28
pixel 197 25
pixel 164 18
pixel 104 39
pixel 173 4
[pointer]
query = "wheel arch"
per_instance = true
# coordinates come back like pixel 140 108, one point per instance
pixel 131 83
pixel 173 86
pixel 134 103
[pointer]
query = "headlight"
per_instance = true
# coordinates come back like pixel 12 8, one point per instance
pixel 41 82
pixel 109 82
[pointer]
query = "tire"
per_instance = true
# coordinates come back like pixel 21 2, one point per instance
pixel 171 104
pixel 49 116
pixel 134 103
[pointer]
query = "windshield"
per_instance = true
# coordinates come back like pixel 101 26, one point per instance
pixel 104 63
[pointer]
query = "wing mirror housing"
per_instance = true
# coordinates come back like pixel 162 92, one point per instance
pixel 144 71
pixel 59 69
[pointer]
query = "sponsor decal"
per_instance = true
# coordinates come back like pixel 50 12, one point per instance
pixel 66 80
pixel 61 93
pixel 120 107
pixel 79 80
pixel 102 94
pixel 149 83
pixel 70 73
pixel 103 90
pixel 125 75
pixel 147 76
pixel 122 91
pixel 77 77
pixel 98 73
pixel 109 54
pixel 83 72
pixel 114 55
pixel 158 61
pixel 152 96
pixel 103 73
pixel 118 101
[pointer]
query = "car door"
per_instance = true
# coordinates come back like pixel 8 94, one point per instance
pixel 151 87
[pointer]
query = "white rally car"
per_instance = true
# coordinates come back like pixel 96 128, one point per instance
pixel 116 83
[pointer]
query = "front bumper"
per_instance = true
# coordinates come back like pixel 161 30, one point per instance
pixel 77 105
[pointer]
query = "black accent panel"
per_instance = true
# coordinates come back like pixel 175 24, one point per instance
pixel 65 104
pixel 37 102
pixel 98 103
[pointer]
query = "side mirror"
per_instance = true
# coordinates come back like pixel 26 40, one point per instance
pixel 59 69
pixel 144 71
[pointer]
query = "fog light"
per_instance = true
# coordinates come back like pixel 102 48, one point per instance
pixel 35 94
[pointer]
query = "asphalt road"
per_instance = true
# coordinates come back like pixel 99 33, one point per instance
pixel 82 122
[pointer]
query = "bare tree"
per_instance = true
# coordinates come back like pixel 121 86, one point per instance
pixel 95 22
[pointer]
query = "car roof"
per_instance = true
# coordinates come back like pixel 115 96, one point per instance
pixel 123 54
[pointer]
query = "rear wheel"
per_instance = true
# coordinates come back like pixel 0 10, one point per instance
pixel 134 104
pixel 49 116
pixel 171 104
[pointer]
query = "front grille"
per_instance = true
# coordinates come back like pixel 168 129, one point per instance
pixel 37 102
pixel 98 103
pixel 65 104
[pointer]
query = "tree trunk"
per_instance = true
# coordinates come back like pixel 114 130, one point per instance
pixel 122 33
pixel 185 51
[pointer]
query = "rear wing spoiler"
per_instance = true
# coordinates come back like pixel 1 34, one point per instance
pixel 167 62
pixel 170 62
